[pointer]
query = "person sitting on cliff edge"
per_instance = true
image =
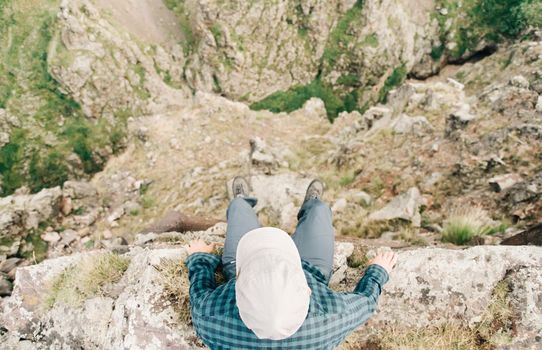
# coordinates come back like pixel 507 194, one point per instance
pixel 277 295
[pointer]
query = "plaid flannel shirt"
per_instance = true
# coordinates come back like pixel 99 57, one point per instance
pixel 331 317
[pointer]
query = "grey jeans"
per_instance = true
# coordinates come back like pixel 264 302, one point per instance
pixel 314 235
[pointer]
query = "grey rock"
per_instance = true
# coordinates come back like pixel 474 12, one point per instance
pixel 361 197
pixel 116 214
pixel 51 237
pixel 405 207
pixel 520 82
pixel 342 251
pixel 8 265
pixel 539 104
pixel 132 207
pixel 458 120
pixel 5 285
pixel 525 301
pixel 315 108
pixel 429 286
pixel 277 194
pixel 79 190
pixel 265 157
pixel 339 205
pixel 405 124
pixel 502 182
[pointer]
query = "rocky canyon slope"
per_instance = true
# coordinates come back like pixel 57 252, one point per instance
pixel 423 118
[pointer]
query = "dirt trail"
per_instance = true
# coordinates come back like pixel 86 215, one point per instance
pixel 149 20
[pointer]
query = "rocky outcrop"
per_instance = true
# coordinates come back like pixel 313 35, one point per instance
pixel 404 207
pixel 138 313
pixel 107 70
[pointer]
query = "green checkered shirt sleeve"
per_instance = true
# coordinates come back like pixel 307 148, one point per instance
pixel 332 316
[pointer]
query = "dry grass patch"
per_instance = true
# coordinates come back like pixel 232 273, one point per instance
pixel 497 322
pixel 410 234
pixel 445 337
pixel 86 279
pixel 174 279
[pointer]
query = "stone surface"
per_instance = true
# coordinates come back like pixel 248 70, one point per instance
pixel 433 286
pixel 22 212
pixel 405 207
pixel 526 303
pixel 140 316
pixel 502 182
pixel 405 124
pixel 458 120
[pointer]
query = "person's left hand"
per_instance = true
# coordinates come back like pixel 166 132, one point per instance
pixel 199 246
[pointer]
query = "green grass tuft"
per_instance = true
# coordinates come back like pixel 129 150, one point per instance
pixel 466 223
pixel 396 78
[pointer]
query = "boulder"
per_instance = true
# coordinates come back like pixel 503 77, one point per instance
pixel 266 158
pixel 458 120
pixel 315 108
pixel 405 124
pixel 539 104
pixel 405 207
pixel 523 198
pixel 519 81
pixel 361 197
pixel 531 236
pixel 5 285
pixel 502 182
pixel 342 251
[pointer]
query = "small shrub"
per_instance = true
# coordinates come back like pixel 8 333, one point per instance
pixel 347 179
pixel 396 78
pixel 147 202
pixel 87 278
pixel 358 259
pixel 34 248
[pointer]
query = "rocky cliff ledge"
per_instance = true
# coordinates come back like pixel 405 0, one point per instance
pixel 493 291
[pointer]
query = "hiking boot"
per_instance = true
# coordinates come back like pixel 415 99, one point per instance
pixel 240 187
pixel 315 190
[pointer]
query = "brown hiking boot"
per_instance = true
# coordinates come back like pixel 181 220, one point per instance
pixel 240 187
pixel 315 190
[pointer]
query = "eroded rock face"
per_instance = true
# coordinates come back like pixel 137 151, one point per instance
pixel 108 71
pixel 20 213
pixel 428 287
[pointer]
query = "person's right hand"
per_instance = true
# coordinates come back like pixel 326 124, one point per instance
pixel 385 259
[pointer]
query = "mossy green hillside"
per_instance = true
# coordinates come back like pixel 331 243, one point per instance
pixel 52 127
pixel 190 37
pixel 467 23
